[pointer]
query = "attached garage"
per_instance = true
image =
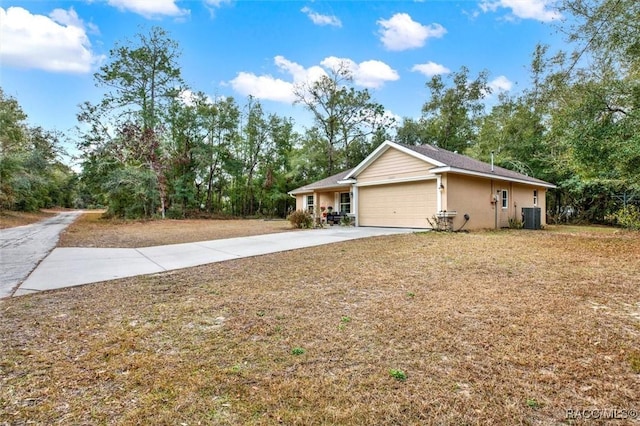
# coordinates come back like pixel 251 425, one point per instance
pixel 407 186
pixel 406 205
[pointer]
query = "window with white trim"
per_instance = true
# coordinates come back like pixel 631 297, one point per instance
pixel 310 203
pixel 505 199
pixel 535 197
pixel 345 202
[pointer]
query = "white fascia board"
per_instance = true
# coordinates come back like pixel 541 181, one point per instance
pixel 418 155
pixel 400 180
pixel 449 169
pixel 345 181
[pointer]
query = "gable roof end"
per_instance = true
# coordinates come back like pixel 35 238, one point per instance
pixel 382 149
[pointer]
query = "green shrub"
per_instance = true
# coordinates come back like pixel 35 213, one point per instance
pixel 515 223
pixel 628 217
pixel 301 219
pixel 175 212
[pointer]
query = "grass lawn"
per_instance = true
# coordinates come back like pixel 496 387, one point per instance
pixel 90 230
pixel 509 327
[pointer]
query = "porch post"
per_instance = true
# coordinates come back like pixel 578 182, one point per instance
pixel 354 190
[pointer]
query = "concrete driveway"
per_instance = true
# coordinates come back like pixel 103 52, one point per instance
pixel 23 247
pixel 67 267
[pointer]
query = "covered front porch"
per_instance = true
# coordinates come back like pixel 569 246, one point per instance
pixel 331 206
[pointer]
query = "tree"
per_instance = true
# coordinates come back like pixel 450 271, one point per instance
pixel 144 79
pixel 605 29
pixel 450 117
pixel 31 173
pixel 343 115
pixel 12 141
pixel 220 121
pixel 597 95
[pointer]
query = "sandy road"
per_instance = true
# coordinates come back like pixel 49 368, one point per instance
pixel 23 247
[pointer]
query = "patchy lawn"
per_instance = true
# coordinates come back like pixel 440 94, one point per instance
pixel 90 230
pixel 510 327
pixel 10 219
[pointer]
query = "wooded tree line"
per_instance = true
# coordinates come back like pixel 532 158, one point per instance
pixel 31 173
pixel 154 146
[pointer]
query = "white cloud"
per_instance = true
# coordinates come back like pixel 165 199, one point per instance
pixel 369 74
pixel 150 9
pixel 191 99
pixel 299 73
pixel 529 9
pixel 215 4
pixel 319 19
pixel 500 84
pixel 263 87
pixel 400 32
pixel 373 74
pixel 56 43
pixel 430 69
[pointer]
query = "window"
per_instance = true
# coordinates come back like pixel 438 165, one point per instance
pixel 505 199
pixel 535 197
pixel 310 203
pixel 345 202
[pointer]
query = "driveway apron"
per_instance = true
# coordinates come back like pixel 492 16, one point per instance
pixel 22 248
pixel 68 267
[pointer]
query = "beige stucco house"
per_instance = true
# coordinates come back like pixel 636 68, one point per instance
pixel 418 186
pixel 426 186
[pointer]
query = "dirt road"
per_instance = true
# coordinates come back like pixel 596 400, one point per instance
pixel 23 247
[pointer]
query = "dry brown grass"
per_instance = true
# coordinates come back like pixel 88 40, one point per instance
pixel 10 219
pixel 91 230
pixel 510 327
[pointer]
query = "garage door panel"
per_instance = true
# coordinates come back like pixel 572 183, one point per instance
pixel 397 205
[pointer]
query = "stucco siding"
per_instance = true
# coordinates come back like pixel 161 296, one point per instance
pixel 471 195
pixel 394 164
pixel 523 196
pixel 397 205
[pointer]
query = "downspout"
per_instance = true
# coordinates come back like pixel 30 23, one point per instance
pixel 495 211
pixel 495 198
pixel 439 193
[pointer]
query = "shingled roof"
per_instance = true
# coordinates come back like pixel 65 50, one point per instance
pixel 454 160
pixel 443 160
pixel 330 182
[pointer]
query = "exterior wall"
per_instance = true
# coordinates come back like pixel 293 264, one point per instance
pixel 392 165
pixel 473 195
pixel 523 197
pixel 323 199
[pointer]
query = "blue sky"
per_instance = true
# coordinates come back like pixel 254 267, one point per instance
pixel 49 50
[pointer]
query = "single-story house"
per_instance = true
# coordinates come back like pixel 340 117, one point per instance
pixel 425 186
